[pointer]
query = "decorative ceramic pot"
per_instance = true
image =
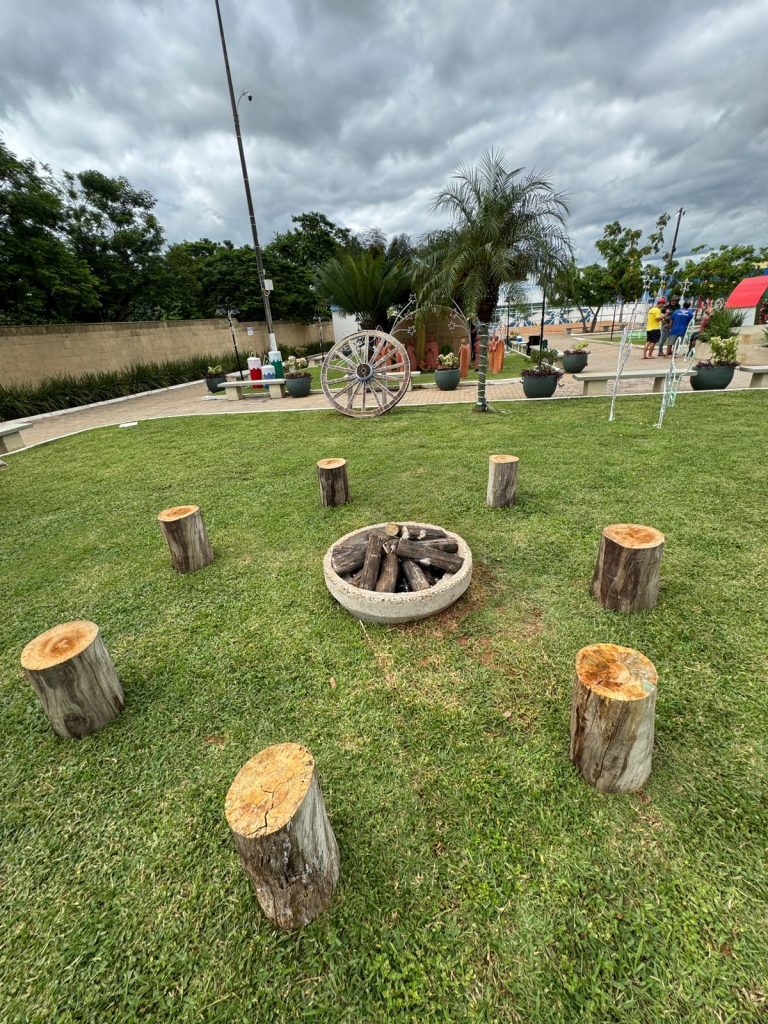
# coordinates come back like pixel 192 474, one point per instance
pixel 447 380
pixel 574 362
pixel 540 387
pixel 298 387
pixel 712 378
pixel 214 383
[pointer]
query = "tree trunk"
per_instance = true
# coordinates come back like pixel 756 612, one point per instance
pixel 612 717
pixel 626 577
pixel 281 831
pixel 420 552
pixel 390 569
pixel 594 319
pixel 187 538
pixel 334 486
pixel 373 553
pixel 73 675
pixel 422 533
pixel 415 575
pixel 502 480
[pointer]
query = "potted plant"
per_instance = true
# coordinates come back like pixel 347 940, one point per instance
pixel 716 373
pixel 540 381
pixel 447 374
pixel 214 378
pixel 575 359
pixel 298 380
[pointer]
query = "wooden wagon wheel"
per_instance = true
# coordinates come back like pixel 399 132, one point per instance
pixel 366 374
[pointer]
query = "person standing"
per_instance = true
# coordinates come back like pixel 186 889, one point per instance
pixel 679 325
pixel 653 328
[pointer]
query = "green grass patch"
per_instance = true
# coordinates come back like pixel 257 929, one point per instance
pixel 482 879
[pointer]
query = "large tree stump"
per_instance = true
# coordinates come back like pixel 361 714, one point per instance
pixel 626 577
pixel 281 830
pixel 187 538
pixel 502 480
pixel 334 486
pixel 73 675
pixel 612 717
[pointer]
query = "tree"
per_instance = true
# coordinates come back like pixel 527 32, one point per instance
pixel 589 287
pixel 718 272
pixel 314 241
pixel 364 286
pixel 41 279
pixel 505 228
pixel 111 227
pixel 620 248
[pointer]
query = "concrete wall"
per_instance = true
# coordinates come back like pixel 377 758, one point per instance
pixel 28 354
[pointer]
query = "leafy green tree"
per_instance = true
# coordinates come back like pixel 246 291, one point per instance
pixel 313 241
pixel 364 285
pixel 718 272
pixel 111 227
pixel 41 279
pixel 590 288
pixel 505 228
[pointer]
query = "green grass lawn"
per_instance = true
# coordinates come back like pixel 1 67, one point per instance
pixel 482 878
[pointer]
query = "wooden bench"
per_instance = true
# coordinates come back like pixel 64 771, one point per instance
pixel 759 377
pixel 235 388
pixel 597 383
pixel 10 437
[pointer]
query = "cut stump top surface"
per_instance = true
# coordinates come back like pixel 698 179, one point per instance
pixel 58 644
pixel 331 463
pixel 169 515
pixel 268 790
pixel 504 458
pixel 634 535
pixel 619 673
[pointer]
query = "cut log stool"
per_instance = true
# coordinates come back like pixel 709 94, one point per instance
pixel 73 675
pixel 612 717
pixel 502 480
pixel 628 569
pixel 187 537
pixel 276 812
pixel 334 486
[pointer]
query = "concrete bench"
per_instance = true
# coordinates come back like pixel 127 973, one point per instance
pixel 759 377
pixel 235 388
pixel 597 383
pixel 10 437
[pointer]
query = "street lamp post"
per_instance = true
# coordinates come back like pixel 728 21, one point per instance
pixel 228 312
pixel 247 186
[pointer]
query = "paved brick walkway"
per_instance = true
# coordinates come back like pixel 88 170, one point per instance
pixel 191 400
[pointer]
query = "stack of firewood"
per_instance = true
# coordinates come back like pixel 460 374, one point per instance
pixel 397 558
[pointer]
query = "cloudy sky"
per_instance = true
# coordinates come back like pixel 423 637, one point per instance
pixel 362 108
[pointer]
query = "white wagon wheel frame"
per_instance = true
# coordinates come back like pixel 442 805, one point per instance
pixel 367 363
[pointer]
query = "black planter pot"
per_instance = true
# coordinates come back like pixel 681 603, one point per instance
pixel 540 387
pixel 447 380
pixel 298 387
pixel 214 383
pixel 575 362
pixel 712 378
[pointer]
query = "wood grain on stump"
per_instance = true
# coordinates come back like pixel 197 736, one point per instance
pixel 73 675
pixel 281 831
pixel 187 538
pixel 502 480
pixel 334 486
pixel 612 717
pixel 628 570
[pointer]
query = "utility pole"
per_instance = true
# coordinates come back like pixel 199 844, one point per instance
pixel 246 183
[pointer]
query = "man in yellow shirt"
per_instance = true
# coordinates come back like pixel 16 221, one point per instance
pixel 653 328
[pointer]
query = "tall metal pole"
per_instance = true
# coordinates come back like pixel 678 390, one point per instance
pixel 543 308
pixel 664 276
pixel 247 185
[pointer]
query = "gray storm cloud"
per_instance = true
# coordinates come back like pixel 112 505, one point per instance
pixel 363 109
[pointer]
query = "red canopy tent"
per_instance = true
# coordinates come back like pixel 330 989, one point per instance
pixel 748 296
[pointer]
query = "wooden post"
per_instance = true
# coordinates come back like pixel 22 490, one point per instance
pixel 626 577
pixel 502 480
pixel 390 568
pixel 612 717
pixel 276 812
pixel 334 486
pixel 73 675
pixel 373 552
pixel 187 538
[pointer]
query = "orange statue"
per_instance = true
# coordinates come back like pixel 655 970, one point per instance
pixel 431 354
pixel 465 357
pixel 496 355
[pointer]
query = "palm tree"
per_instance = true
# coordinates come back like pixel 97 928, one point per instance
pixel 505 228
pixel 364 285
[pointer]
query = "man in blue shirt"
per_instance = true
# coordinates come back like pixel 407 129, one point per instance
pixel 680 320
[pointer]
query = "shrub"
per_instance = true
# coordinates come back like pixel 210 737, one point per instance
pixel 66 392
pixel 724 352
pixel 722 323
pixel 448 361
pixel 296 368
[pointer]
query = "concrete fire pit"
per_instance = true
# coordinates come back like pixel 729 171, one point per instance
pixel 373 606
